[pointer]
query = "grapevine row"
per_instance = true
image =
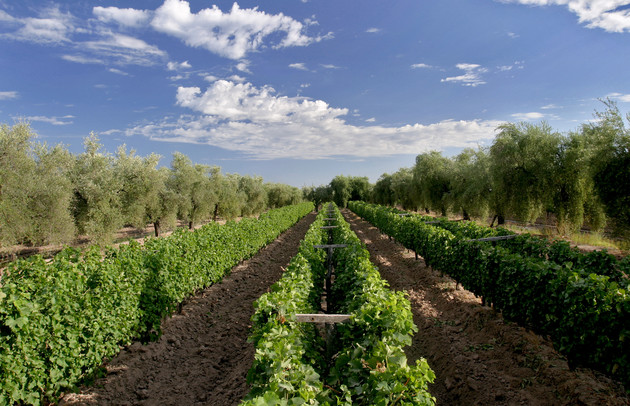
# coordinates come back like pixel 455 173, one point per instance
pixel 527 245
pixel 60 320
pixel 368 365
pixel 585 314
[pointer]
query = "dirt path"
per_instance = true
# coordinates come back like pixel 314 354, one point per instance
pixel 479 358
pixel 203 356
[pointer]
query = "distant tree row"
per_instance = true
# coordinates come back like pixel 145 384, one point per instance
pixel 341 190
pixel 48 195
pixel 529 171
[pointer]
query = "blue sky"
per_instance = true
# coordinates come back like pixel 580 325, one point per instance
pixel 300 91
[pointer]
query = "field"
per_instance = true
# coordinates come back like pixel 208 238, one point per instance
pixel 203 356
pixel 477 356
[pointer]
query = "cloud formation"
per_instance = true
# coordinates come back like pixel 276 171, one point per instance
pixel 259 123
pixel 420 66
pixel 121 49
pixel 298 65
pixel 534 115
pixel 50 120
pixel 610 15
pixel 127 17
pixel 52 26
pixel 625 98
pixel 111 33
pixel 471 77
pixel 178 65
pixel 98 44
pixel 231 35
pixel 8 95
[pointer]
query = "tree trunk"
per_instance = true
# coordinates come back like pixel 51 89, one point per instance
pixel 492 222
pixel 426 210
pixel 190 225
pixel 466 215
pixel 156 227
pixel 501 220
pixel 215 215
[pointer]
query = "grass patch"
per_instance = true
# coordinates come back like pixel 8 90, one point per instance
pixel 594 239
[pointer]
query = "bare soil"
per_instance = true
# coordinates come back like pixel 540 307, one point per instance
pixel 479 358
pixel 203 355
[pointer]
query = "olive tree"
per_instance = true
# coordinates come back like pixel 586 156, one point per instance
pixel 191 185
pixel 403 189
pixel 279 195
pixel 382 192
pixel 16 168
pixel 523 160
pixel 229 199
pixel 609 139
pixel 253 191
pixel 35 191
pixel 341 190
pixel 431 180
pixel 470 183
pixel 360 188
pixel 96 205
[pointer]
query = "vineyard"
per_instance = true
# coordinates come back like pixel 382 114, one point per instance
pixel 318 323
pixel 580 300
pixel 369 366
pixel 61 319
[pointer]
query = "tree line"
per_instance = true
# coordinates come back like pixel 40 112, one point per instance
pixel 530 170
pixel 50 196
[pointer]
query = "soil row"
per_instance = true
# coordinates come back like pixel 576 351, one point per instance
pixel 203 355
pixel 479 358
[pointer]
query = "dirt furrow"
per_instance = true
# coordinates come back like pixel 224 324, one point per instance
pixel 479 358
pixel 203 356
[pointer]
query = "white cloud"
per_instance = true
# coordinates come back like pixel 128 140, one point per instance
pixel 128 17
pixel 121 49
pixel 305 85
pixel 370 120
pixel 110 132
pixel 51 27
pixel 8 95
pixel 118 71
pixel 515 65
pixel 528 116
pixel 373 30
pixel 243 66
pixel 178 65
pixel 610 15
pixel 6 17
pixel 329 66
pixel 471 77
pixel 82 59
pixel 232 34
pixel 299 65
pixel 420 66
pixel 550 107
pixel 102 47
pixel 50 120
pixel 237 78
pixel 210 78
pixel 625 98
pixel 263 125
